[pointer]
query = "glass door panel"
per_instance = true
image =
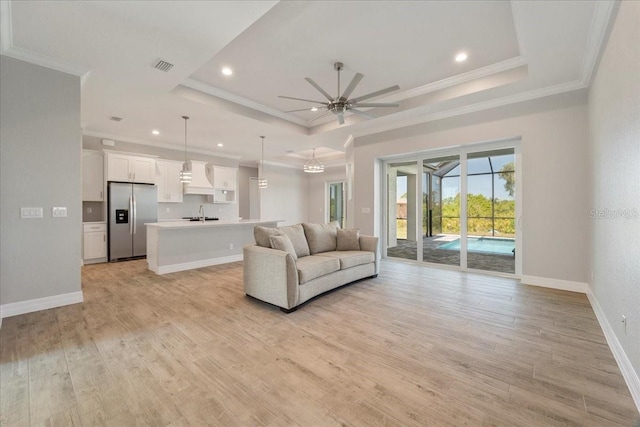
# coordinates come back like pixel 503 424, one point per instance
pixel 402 219
pixel 336 203
pixel 441 210
pixel 491 210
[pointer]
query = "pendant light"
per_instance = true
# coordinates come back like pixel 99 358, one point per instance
pixel 262 181
pixel 313 165
pixel 185 173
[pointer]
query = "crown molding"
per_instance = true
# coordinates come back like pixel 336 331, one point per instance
pixel 489 70
pixel 600 25
pixel 164 145
pixel 7 48
pixel 219 93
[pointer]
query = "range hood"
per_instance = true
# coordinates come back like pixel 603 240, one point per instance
pixel 200 183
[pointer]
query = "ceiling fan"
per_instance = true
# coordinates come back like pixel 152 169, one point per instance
pixel 342 103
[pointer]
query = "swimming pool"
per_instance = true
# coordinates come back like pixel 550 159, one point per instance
pixel 483 244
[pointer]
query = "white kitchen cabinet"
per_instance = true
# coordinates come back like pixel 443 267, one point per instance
pixel 224 178
pixel 94 242
pixel 168 181
pixel 92 176
pixel 128 168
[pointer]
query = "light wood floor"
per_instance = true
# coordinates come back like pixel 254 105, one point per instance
pixel 414 347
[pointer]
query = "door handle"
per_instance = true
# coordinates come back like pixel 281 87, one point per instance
pixel 130 214
pixel 134 215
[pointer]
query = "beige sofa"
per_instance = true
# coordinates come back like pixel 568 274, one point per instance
pixel 290 265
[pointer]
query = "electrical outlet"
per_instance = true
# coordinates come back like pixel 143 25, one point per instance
pixel 167 210
pixel 230 246
pixel 89 210
pixel 624 322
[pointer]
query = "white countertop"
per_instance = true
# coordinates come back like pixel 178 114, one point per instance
pixel 191 224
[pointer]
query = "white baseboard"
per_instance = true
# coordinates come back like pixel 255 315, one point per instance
pixel 29 306
pixel 565 285
pixel 173 268
pixel 628 373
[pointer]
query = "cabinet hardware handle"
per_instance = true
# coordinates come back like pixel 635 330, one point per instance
pixel 101 195
pixel 104 238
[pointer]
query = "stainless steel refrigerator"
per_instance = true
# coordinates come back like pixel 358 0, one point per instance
pixel 130 207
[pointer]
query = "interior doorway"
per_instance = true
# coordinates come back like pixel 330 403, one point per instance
pixel 336 207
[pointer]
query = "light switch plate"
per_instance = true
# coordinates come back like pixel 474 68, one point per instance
pixel 58 212
pixel 366 210
pixel 30 213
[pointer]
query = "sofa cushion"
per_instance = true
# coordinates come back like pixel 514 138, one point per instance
pixel 295 233
pixel 311 267
pixel 347 240
pixel 284 244
pixel 321 237
pixel 261 234
pixel 350 259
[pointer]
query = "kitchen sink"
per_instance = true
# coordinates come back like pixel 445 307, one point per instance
pixel 196 218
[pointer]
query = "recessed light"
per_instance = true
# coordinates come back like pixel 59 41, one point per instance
pixel 314 108
pixel 227 71
pixel 462 56
pixel 155 132
pixel 221 145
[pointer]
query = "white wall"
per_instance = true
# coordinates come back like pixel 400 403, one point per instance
pixel 244 199
pixel 555 194
pixel 40 155
pixel 614 135
pixel 318 196
pixel 286 197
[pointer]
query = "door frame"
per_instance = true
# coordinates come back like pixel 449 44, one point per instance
pixel 462 151
pixel 327 214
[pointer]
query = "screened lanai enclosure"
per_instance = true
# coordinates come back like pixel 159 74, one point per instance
pixel 429 227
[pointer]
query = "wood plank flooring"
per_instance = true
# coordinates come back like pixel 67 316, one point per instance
pixel 414 347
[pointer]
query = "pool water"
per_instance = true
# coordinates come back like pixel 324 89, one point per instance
pixel 482 244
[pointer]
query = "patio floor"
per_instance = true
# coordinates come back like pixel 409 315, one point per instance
pixel 407 249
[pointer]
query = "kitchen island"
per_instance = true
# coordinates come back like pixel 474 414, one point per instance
pixel 184 245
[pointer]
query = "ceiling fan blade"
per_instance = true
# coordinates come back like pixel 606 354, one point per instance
pixel 354 82
pixel 317 86
pixel 375 104
pixel 302 109
pixel 301 99
pixel 374 94
pixel 341 118
pixel 321 115
pixel 362 113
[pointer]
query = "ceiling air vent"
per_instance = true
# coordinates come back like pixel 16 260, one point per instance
pixel 163 65
pixel 115 118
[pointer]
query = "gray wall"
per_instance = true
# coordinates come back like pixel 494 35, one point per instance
pixel 244 174
pixel 614 135
pixel 40 155
pixel 286 197
pixel 554 165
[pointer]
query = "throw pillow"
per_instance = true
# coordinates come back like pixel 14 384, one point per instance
pixel 284 244
pixel 321 237
pixel 262 234
pixel 295 233
pixel 348 240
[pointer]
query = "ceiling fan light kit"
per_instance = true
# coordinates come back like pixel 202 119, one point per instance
pixel 341 104
pixel 313 165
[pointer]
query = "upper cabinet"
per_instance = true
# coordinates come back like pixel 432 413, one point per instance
pixel 224 178
pixel 127 168
pixel 168 181
pixel 92 176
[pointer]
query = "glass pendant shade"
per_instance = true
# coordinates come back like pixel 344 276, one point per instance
pixel 313 165
pixel 185 173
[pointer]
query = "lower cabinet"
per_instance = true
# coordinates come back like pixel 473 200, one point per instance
pixel 94 243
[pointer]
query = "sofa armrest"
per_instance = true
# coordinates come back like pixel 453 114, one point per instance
pixel 270 275
pixel 370 243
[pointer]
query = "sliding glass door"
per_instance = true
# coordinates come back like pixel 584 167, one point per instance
pixel 466 214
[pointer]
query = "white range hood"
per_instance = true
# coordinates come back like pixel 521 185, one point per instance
pixel 200 183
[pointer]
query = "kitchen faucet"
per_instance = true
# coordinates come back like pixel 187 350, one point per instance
pixel 201 213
